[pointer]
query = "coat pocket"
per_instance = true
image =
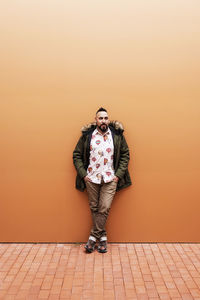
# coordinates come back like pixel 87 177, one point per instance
pixel 80 183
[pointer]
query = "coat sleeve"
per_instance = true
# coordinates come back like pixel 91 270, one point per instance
pixel 78 157
pixel 123 159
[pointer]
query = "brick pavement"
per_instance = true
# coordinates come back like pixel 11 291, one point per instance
pixel 126 271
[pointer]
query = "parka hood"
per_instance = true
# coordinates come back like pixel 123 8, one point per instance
pixel 115 126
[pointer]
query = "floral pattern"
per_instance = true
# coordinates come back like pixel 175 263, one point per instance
pixel 101 157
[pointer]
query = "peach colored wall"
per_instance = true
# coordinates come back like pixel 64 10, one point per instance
pixel 61 60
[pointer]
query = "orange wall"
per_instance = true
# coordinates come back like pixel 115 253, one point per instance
pixel 61 60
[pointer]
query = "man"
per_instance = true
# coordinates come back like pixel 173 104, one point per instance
pixel 101 159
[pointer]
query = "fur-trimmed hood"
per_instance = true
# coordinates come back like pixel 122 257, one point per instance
pixel 113 125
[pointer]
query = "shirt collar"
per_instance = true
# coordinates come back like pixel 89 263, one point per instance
pixel 106 133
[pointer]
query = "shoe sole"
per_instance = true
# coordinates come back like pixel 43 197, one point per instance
pixel 89 250
pixel 102 251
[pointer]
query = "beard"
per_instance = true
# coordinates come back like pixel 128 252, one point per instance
pixel 103 127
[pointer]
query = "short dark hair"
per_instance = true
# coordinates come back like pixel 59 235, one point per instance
pixel 101 109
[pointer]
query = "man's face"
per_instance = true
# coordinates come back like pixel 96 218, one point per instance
pixel 102 121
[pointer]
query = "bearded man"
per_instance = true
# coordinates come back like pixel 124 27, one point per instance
pixel 101 159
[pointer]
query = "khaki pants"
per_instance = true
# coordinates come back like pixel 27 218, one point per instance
pixel 100 198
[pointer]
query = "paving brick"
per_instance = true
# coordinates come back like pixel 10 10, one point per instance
pixel 126 271
pixel 186 296
pixel 43 294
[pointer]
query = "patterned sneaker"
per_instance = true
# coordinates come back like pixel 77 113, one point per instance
pixel 102 247
pixel 90 246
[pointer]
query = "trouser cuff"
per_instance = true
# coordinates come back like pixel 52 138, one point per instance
pixel 92 238
pixel 103 238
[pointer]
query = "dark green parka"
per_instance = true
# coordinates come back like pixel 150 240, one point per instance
pixel 121 158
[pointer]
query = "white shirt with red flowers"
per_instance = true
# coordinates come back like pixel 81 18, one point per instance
pixel 101 157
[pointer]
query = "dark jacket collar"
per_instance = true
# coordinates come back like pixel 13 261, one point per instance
pixel 115 126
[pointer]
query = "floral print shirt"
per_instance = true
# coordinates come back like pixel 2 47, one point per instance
pixel 101 157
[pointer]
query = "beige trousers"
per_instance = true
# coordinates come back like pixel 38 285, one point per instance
pixel 100 198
